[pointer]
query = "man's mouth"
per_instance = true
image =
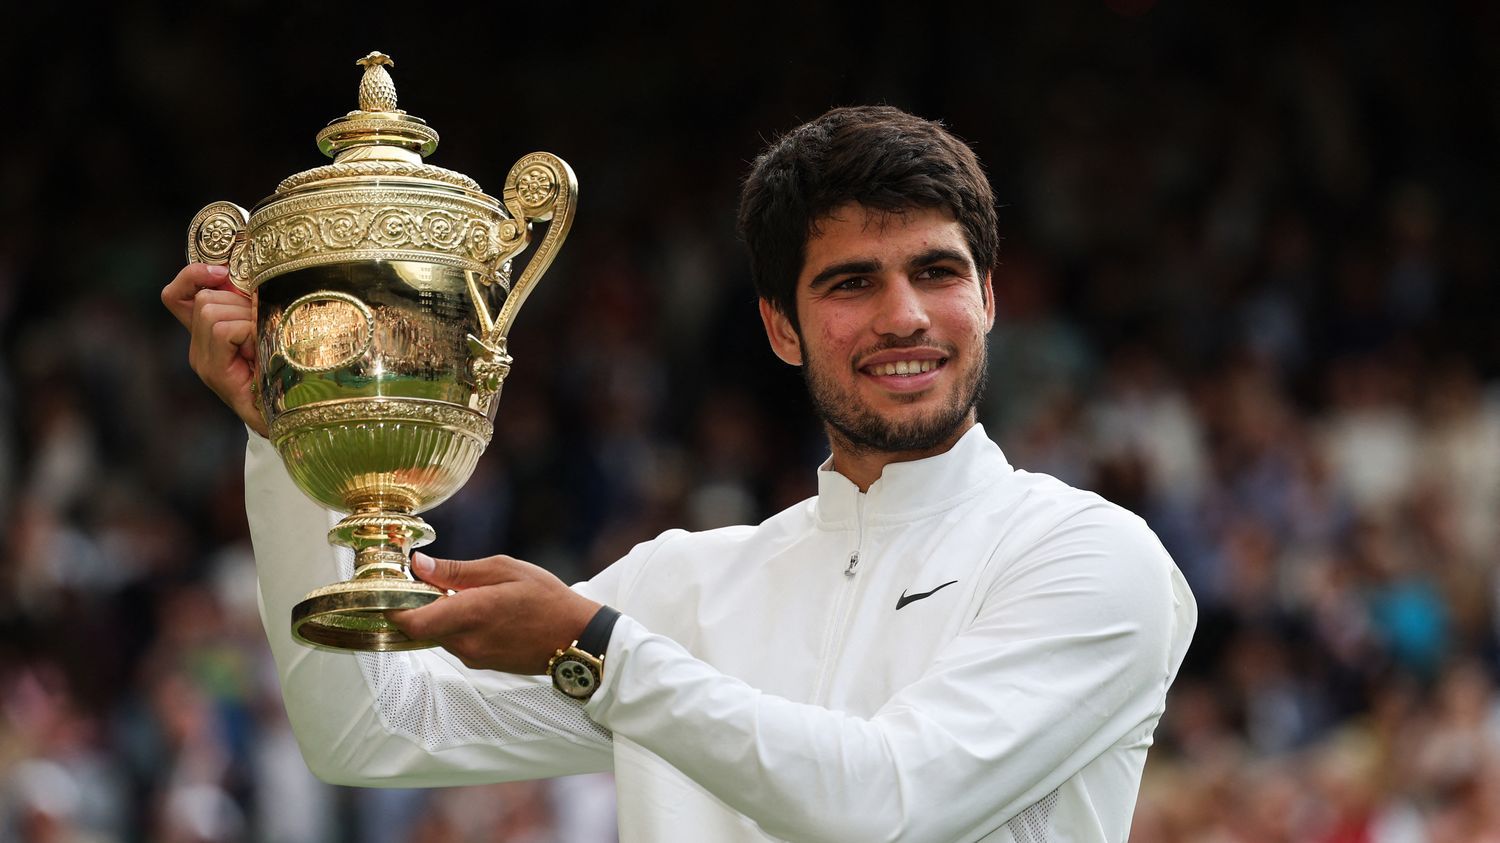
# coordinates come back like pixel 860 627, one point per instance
pixel 905 367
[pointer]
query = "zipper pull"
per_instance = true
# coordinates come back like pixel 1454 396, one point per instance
pixel 853 563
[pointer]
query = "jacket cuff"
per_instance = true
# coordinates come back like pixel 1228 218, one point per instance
pixel 626 633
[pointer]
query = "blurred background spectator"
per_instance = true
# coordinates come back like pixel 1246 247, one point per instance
pixel 1247 290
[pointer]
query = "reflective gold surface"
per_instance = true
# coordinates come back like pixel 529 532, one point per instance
pixel 384 297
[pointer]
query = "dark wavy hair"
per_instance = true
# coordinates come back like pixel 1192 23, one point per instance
pixel 879 156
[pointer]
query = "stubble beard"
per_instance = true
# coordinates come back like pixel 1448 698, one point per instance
pixel 863 431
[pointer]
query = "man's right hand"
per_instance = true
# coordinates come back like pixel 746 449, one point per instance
pixel 222 322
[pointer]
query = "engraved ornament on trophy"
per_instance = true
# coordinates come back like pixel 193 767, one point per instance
pixel 383 298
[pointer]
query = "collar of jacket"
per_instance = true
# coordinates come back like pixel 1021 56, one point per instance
pixel 913 489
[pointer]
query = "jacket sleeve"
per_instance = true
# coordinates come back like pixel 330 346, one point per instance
pixel 1070 653
pixel 399 719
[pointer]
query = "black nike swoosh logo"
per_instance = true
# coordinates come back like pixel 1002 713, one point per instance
pixel 903 599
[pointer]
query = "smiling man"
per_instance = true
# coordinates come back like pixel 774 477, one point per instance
pixel 936 647
pixel 888 321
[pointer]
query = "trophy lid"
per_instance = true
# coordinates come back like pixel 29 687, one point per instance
pixel 380 202
pixel 377 139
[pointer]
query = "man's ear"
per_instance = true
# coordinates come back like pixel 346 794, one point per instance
pixel 989 303
pixel 779 330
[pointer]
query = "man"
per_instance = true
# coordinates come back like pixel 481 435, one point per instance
pixel 936 647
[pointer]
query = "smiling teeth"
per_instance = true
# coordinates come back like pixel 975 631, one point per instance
pixel 906 367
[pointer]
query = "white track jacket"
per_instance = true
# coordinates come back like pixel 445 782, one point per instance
pixel 965 652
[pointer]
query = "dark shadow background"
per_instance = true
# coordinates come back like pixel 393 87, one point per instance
pixel 1247 290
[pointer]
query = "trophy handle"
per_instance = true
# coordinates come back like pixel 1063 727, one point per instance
pixel 540 187
pixel 217 236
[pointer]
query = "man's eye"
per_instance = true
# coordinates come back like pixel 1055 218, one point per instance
pixel 855 283
pixel 934 272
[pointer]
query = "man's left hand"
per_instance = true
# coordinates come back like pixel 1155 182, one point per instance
pixel 506 614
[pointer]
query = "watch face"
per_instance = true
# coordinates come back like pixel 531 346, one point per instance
pixel 574 678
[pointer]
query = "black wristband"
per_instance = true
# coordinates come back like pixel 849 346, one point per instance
pixel 594 639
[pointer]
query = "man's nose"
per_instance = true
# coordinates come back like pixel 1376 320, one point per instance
pixel 902 311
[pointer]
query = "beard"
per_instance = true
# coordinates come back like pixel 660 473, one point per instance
pixel 865 431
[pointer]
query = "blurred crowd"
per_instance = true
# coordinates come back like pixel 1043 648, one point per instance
pixel 1247 290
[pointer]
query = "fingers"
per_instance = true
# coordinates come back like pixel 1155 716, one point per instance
pixel 209 311
pixel 222 298
pixel 221 319
pixel 222 350
pixel 181 291
pixel 459 575
pixel 223 326
pixel 445 620
pixel 238 333
pixel 513 627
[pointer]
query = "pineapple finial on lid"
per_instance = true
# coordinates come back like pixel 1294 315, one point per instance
pixel 378 129
pixel 376 90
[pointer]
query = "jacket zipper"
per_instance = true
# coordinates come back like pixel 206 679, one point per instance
pixel 859 535
pixel 841 612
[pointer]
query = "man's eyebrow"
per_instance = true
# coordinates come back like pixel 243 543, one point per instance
pixel 854 267
pixel 932 256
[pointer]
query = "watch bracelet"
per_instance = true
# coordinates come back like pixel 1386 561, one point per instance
pixel 594 639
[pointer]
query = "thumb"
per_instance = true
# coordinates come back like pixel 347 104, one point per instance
pixel 458 575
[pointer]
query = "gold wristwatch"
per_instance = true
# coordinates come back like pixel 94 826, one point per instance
pixel 576 671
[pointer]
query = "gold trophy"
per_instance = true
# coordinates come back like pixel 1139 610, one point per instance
pixel 383 298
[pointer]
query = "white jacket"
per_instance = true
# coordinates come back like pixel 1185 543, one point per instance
pixel 966 652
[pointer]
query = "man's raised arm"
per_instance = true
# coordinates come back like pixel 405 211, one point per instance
pixel 418 718
pixel 373 718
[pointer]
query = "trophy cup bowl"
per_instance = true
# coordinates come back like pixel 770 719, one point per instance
pixel 383 298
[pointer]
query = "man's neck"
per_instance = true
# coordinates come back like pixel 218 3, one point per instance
pixel 863 466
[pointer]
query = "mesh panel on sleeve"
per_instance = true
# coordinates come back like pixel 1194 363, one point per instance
pixel 440 712
pixel 343 556
pixel 1032 824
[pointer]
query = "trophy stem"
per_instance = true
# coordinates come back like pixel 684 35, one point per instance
pixel 373 563
pixel 382 541
pixel 350 615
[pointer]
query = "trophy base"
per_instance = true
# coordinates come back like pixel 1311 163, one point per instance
pixel 350 616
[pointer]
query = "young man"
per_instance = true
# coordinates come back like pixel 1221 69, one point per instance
pixel 936 647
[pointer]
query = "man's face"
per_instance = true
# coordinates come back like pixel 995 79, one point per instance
pixel 893 317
